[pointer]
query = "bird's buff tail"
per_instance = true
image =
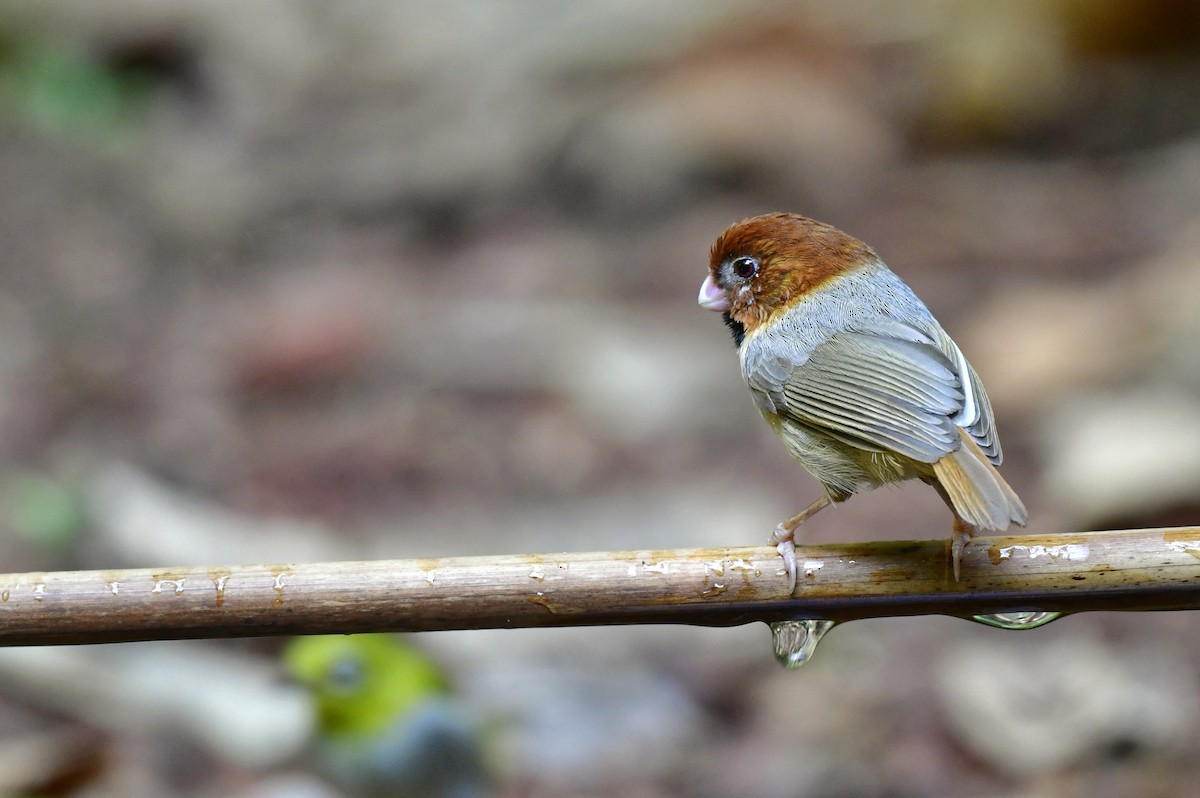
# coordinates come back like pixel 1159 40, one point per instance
pixel 976 491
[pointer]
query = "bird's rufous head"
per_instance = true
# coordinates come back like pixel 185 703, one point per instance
pixel 760 266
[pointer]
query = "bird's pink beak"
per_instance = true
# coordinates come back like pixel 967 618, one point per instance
pixel 712 297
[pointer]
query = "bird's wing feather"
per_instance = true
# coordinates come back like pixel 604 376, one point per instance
pixel 976 414
pixel 878 393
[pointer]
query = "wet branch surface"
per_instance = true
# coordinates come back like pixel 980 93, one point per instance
pixel 1144 569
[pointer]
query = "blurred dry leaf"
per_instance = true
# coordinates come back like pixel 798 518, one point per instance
pixel 1035 709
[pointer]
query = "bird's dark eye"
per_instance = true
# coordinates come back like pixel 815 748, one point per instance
pixel 745 267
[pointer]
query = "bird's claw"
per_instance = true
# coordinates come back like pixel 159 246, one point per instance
pixel 963 532
pixel 957 545
pixel 786 546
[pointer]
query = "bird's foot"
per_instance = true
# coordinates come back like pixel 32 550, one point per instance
pixel 963 532
pixel 785 534
pixel 785 544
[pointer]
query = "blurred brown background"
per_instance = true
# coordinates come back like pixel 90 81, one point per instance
pixel 287 281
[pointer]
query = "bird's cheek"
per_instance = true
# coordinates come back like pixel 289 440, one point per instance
pixel 712 297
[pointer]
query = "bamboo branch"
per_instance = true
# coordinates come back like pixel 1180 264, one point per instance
pixel 1146 569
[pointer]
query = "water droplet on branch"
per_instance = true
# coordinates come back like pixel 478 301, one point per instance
pixel 1025 619
pixel 795 641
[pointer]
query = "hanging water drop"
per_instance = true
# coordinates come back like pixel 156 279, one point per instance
pixel 1027 619
pixel 795 641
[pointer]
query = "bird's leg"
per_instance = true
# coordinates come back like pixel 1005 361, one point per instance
pixel 963 532
pixel 784 537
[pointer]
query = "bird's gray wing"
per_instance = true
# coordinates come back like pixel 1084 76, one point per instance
pixel 896 391
pixel 976 413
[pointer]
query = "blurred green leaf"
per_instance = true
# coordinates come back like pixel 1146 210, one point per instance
pixel 362 682
pixel 41 510
pixel 56 88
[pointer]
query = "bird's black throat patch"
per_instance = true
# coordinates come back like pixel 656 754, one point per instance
pixel 736 327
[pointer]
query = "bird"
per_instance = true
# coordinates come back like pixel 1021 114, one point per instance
pixel 855 375
pixel 387 721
